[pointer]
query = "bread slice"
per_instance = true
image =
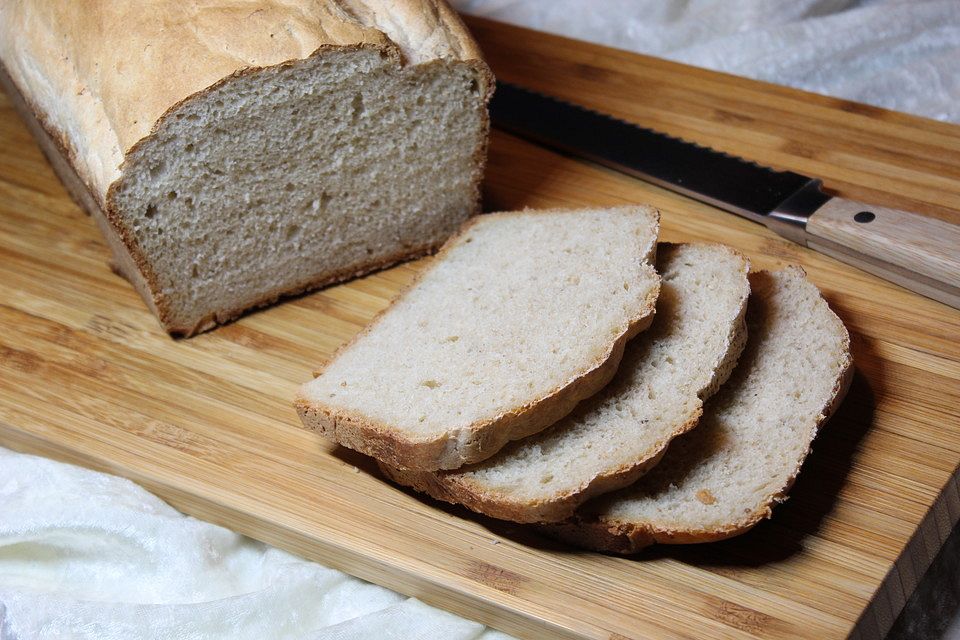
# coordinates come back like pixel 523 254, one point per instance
pixel 519 317
pixel 612 438
pixel 726 475
pixel 236 152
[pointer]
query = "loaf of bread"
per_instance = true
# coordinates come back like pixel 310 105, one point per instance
pixel 724 476
pixel 612 438
pixel 519 317
pixel 235 152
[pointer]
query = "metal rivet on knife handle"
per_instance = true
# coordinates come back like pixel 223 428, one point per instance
pixel 915 251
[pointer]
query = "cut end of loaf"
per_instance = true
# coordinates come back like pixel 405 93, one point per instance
pixel 453 370
pixel 282 179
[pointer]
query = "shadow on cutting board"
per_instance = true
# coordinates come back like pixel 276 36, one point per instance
pixel 821 478
pixel 812 497
pixel 521 174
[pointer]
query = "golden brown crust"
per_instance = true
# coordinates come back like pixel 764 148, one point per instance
pixel 505 507
pixel 612 536
pixel 481 439
pixel 104 74
pixel 421 29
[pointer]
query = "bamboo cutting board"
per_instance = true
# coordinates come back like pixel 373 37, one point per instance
pixel 87 376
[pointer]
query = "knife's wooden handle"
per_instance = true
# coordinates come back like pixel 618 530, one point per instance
pixel 917 252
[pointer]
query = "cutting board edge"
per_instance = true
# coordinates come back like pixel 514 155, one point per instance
pixel 898 585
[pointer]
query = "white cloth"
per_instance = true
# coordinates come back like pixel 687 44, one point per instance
pixel 93 556
pixel 899 54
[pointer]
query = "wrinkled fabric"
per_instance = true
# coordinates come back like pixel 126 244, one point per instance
pixel 898 54
pixel 90 555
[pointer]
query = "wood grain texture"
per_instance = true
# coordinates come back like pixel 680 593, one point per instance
pixel 917 252
pixel 88 377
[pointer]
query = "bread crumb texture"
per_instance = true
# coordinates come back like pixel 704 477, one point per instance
pixel 754 435
pixel 655 395
pixel 497 322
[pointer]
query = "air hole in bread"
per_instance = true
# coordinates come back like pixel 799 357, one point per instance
pixel 357 108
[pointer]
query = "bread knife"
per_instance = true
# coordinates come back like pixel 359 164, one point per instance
pixel 914 251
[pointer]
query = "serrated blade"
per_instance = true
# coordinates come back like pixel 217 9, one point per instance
pixel 722 180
